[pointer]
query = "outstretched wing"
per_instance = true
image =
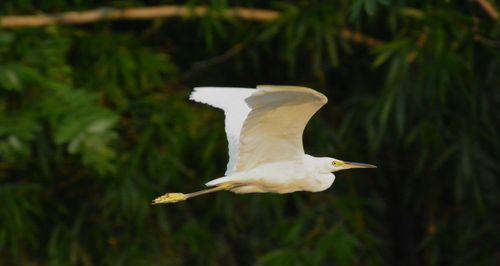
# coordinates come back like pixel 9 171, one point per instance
pixel 273 129
pixel 232 101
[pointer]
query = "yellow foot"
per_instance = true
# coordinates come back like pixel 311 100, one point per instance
pixel 170 198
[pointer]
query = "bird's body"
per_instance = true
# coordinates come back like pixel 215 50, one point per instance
pixel 264 128
pixel 305 174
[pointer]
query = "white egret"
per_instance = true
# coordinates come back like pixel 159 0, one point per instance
pixel 264 129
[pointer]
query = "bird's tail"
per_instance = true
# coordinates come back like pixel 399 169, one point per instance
pixel 176 197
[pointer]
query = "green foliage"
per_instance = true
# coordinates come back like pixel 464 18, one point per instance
pixel 95 123
pixel 307 28
pixel 369 6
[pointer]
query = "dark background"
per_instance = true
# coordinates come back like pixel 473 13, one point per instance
pixel 95 122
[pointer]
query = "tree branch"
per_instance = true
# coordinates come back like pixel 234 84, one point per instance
pixel 140 13
pixel 145 13
pixel 488 8
pixel 199 66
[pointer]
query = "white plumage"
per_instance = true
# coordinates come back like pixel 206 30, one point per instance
pixel 264 128
pixel 232 101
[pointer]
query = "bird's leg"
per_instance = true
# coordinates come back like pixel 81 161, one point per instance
pixel 176 197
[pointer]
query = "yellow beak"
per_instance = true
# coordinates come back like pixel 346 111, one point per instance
pixel 349 165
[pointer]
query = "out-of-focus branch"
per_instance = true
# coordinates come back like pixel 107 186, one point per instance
pixel 359 38
pixel 488 8
pixel 199 66
pixel 139 13
pixel 145 13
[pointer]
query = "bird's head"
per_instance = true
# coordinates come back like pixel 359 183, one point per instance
pixel 337 165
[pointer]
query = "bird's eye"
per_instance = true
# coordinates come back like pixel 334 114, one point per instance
pixel 337 163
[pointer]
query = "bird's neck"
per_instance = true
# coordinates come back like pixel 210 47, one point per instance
pixel 321 164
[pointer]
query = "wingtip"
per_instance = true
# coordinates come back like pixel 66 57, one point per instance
pixel 196 95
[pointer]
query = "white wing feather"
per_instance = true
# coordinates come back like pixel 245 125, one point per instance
pixel 232 101
pixel 263 125
pixel 273 129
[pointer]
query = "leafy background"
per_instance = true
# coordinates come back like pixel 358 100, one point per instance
pixel 95 123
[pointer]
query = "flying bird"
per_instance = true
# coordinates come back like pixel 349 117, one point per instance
pixel 264 128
